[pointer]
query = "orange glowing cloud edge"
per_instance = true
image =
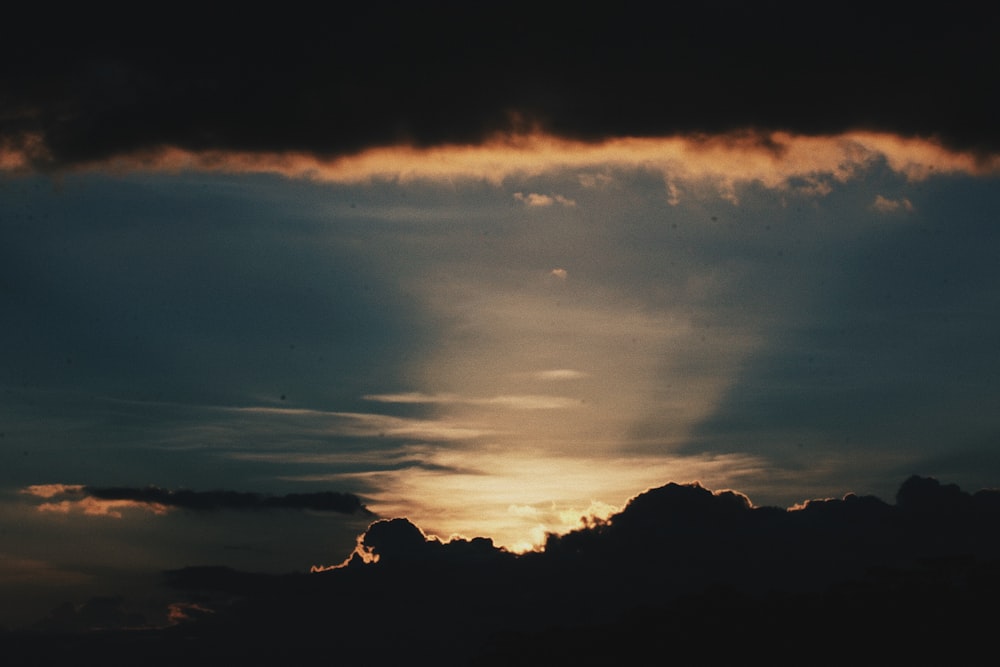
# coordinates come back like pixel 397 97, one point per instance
pixel 87 505
pixel 770 159
pixel 51 490
pixel 97 507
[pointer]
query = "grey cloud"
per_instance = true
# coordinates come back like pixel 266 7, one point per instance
pixel 322 501
pixel 452 72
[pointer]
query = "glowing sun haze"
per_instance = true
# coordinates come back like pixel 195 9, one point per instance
pixel 512 332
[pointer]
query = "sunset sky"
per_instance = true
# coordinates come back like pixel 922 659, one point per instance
pixel 490 283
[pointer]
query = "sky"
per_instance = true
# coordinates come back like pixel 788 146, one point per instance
pixel 259 291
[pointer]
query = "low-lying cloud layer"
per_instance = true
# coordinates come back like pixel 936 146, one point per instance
pixel 110 500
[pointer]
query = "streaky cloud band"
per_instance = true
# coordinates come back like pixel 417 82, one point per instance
pixel 160 499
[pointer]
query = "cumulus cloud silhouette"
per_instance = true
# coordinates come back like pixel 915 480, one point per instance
pixel 669 571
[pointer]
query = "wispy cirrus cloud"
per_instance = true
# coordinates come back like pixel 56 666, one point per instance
pixel 522 402
pixel 560 374
pixel 317 424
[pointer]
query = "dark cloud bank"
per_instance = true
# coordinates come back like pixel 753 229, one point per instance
pixel 321 501
pixel 91 87
pixel 682 575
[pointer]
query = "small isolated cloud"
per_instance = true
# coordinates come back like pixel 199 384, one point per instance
pixel 67 498
pixel 539 200
pixel 595 180
pixel 51 490
pixel 886 205
pixel 524 511
pixel 673 192
pixel 182 612
pixel 561 274
pixel 97 507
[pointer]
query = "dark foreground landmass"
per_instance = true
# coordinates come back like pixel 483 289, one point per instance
pixel 682 575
